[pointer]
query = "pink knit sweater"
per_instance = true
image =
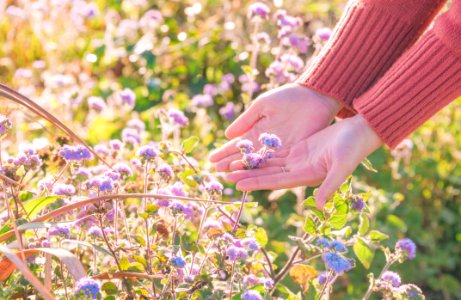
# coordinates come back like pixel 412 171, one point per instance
pixel 377 63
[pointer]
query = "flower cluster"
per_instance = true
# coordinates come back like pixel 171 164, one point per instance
pixel 75 153
pixel 253 160
pixel 89 287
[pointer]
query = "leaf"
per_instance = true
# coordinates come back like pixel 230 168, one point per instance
pixel 303 274
pixel 398 223
pixel 34 206
pixel 364 224
pixel 90 245
pixel 377 236
pixel 74 266
pixel 109 288
pixel 309 226
pixel 214 232
pixel 124 263
pixel 12 256
pixel 339 218
pixel 363 253
pixel 36 225
pixel 189 144
pixel 261 237
pixel 368 165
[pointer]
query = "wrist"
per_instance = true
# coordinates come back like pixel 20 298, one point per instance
pixel 332 104
pixel 371 139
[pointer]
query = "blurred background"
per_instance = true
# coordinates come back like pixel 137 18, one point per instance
pixel 61 52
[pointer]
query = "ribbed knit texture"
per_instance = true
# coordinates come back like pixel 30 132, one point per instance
pixel 368 39
pixel 424 79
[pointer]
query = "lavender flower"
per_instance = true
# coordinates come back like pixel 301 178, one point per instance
pixel 116 144
pixel 411 291
pixel 252 160
pixel 178 262
pixel 202 100
pixel 136 124
pixel 406 248
pixel 251 244
pixel 94 231
pixel 127 96
pixel 323 242
pixel 131 136
pixel 89 287
pixel 214 188
pixel 210 89
pixel 236 253
pixel 259 9
pixel 147 153
pixel 165 172
pixel 357 203
pixel 245 146
pixel 61 189
pixel 251 295
pixel 96 103
pixel 178 117
pixel 322 278
pixel 228 111
pixel 336 262
pixel 60 230
pixel 29 159
pixel 123 169
pixel 5 124
pixel 270 141
pixel 337 246
pixel 75 153
pixel 177 189
pixel 323 34
pixel 391 277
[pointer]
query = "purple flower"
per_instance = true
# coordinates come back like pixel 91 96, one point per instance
pixel 116 144
pixel 178 262
pixel 251 295
pixel 96 103
pixel 391 277
pixel 251 244
pixel 234 253
pixel 227 111
pixel 178 117
pixel 250 280
pixel 165 172
pixel 61 189
pixel 228 78
pixel 151 19
pixel 411 291
pixel 123 169
pixel 263 38
pixel 277 70
pixel 101 149
pixel 267 282
pixel 322 278
pixel 89 287
pixel 270 141
pixel 76 153
pixel 259 9
pixel 336 262
pixel 210 89
pixel 147 152
pixel 136 124
pixel 60 230
pixel 131 136
pixel 252 160
pixel 28 158
pixel 45 244
pixel 245 146
pixel 94 231
pixel 163 202
pixel 323 34
pixel 214 188
pixel 407 248
pixel 202 100
pixel 357 203
pixel 177 189
pixel 289 21
pixel 293 61
pixel 337 246
pixel 322 242
pixel 5 124
pixel 127 96
pixel 102 183
pixel 299 42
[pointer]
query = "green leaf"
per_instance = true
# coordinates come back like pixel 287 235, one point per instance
pixel 309 226
pixel 187 177
pixel 124 263
pixel 377 236
pixel 90 245
pixel 261 237
pixel 364 224
pixel 309 204
pixel 34 206
pixel 109 288
pixel 363 252
pixel 189 144
pixel 136 267
pixel 339 218
pixel 396 222
pixel 368 165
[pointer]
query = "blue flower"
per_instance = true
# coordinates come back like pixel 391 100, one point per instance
pixel 89 287
pixel 60 230
pixel 391 277
pixel 337 246
pixel 178 262
pixel 358 203
pixel 178 117
pixel 251 295
pixel 5 124
pixel 323 242
pixel 270 141
pixel 406 247
pixel 336 262
pixel 236 253
pixel 147 152
pixel 76 153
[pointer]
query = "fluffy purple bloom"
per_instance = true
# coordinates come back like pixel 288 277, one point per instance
pixel 251 244
pixel 165 172
pixel 147 152
pixel 407 247
pixel 228 111
pixel 76 153
pixel 61 189
pixel 136 124
pixel 45 244
pixel 102 183
pixel 411 291
pixel 202 100
pixel 94 231
pixel 245 146
pixel 116 144
pixel 336 262
pixel 250 280
pixel 252 160
pixel 322 278
pixel 228 78
pixel 210 89
pixel 123 169
pixel 178 262
pixel 251 295
pixel 322 242
pixel 89 287
pixel 60 230
pixel 96 103
pixel 270 141
pixel 214 188
pixel 5 124
pixel 234 253
pixel 302 43
pixel 263 38
pixel 358 204
pixel 163 202
pixel 337 246
pixel 151 19
pixel 179 207
pixel 391 277
pixel 177 189
pixel 178 117
pixel 28 158
pixel 259 9
pixel 277 70
pixel 323 34
pixel 131 136
pixel 289 21
pixel 101 149
pixel 127 96
pixel 293 61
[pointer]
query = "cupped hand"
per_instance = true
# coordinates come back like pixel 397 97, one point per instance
pixel 327 158
pixel 292 112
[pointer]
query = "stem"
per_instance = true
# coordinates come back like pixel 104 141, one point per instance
pixel 327 283
pixel 266 255
pixel 231 281
pixel 146 222
pixel 205 258
pixel 201 225
pixel 185 159
pixel 236 224
pixel 372 285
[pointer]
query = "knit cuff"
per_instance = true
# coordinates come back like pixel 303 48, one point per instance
pixel 426 78
pixel 366 41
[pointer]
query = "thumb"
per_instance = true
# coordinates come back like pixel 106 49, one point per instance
pixel 335 177
pixel 244 122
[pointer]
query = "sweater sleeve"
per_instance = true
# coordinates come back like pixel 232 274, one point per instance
pixel 423 80
pixel 367 40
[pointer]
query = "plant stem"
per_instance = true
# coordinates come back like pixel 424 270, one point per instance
pixel 372 284
pixel 266 255
pixel 231 281
pixel 237 220
pixel 146 222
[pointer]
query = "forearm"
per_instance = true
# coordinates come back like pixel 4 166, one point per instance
pixel 368 39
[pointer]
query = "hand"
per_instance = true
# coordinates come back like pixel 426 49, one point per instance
pixel 330 155
pixel 292 112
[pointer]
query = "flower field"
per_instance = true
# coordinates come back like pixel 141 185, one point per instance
pixel 110 109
